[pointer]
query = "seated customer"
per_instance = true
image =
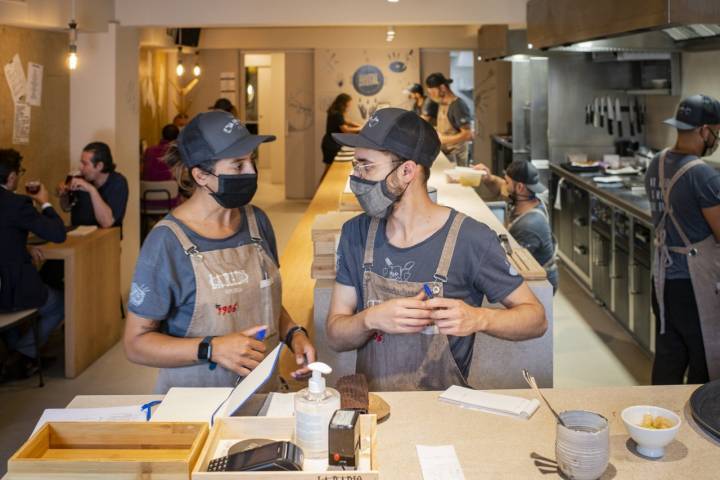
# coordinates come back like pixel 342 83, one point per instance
pixel 405 243
pixel 20 284
pixel 101 193
pixel 528 218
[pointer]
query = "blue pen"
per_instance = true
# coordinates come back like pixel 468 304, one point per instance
pixel 430 329
pixel 258 336
pixel 428 291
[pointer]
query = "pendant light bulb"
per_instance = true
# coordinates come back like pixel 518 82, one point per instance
pixel 179 69
pixel 72 58
pixel 197 71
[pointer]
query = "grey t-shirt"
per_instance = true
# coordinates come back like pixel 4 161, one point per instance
pixel 459 114
pixel 699 188
pixel 479 267
pixel 163 286
pixel 533 232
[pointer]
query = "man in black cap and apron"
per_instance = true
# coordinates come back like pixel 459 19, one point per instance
pixel 528 219
pixel 454 119
pixel 411 275
pixel 684 195
pixel 422 105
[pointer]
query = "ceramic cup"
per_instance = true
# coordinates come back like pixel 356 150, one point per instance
pixel 582 447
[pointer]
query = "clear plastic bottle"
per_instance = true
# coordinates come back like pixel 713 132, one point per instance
pixel 314 407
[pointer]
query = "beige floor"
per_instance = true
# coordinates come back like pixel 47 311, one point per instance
pixel 590 349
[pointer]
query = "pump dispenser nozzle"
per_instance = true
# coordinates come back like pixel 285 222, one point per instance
pixel 317 383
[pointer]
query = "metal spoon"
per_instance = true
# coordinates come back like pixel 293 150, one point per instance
pixel 533 384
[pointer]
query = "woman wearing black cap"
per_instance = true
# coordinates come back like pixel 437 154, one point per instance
pixel 336 123
pixel 206 283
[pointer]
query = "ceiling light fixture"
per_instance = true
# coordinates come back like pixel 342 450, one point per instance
pixel 390 36
pixel 179 69
pixel 72 58
pixel 196 69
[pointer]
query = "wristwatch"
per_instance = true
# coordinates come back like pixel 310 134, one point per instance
pixel 293 331
pixel 205 351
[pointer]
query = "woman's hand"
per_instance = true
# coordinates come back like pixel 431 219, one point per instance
pixel 305 354
pixel 239 352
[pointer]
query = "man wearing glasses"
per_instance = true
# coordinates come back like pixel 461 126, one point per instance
pixel 411 275
pixel 684 194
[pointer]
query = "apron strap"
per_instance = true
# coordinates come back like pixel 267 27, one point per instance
pixel 666 195
pixel 252 223
pixel 188 247
pixel 449 248
pixel 370 244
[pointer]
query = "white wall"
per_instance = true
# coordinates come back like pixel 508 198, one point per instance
pixel 300 142
pixel 317 12
pixel 104 106
pixel 91 15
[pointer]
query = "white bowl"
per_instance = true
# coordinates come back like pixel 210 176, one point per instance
pixel 650 442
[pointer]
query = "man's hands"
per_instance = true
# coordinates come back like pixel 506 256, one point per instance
pixel 79 183
pixel 304 350
pixel 399 315
pixel 239 352
pixel 41 197
pixel 455 317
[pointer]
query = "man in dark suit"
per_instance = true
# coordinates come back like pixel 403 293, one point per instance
pixel 20 284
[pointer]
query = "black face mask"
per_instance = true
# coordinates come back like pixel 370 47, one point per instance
pixel 235 191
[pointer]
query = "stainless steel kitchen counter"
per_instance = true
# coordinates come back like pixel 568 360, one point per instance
pixel 636 205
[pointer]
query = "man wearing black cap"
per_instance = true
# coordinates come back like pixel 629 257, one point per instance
pixel 684 194
pixel 411 275
pixel 528 219
pixel 454 119
pixel 422 105
pixel 224 105
pixel 205 301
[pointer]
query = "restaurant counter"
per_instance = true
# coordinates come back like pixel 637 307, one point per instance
pixel 494 446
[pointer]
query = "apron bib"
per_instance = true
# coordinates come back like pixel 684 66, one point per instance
pixel 235 289
pixel 444 127
pixel 704 265
pixel 550 265
pixel 402 362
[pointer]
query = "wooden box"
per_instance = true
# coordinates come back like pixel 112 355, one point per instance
pixel 103 450
pixel 279 428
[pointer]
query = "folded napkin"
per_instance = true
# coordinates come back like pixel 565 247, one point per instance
pixel 490 402
pixel 609 179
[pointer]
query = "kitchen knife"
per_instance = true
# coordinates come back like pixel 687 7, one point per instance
pixel 602 112
pixel 596 113
pixel 610 114
pixel 618 116
pixel 631 115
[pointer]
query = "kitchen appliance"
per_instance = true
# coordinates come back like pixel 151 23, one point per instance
pixel 601 248
pixel 640 285
pixel 619 270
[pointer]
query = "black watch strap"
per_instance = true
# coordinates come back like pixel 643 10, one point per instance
pixel 205 349
pixel 291 332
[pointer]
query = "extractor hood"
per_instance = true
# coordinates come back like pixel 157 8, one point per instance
pixel 675 23
pixel 498 42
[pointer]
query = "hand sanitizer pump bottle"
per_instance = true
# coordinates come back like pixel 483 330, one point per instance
pixel 314 407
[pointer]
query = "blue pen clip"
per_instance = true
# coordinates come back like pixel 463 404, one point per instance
pixel 148 408
pixel 427 290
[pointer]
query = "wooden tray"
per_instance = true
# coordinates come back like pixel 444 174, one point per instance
pixel 279 428
pixel 526 265
pixel 104 450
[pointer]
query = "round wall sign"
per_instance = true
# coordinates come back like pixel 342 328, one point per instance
pixel 368 80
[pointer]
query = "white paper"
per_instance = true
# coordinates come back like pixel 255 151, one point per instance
pixel 490 402
pixel 227 82
pixel 21 124
pixel 15 76
pixel 280 405
pixel 439 463
pixel 132 413
pixel 34 84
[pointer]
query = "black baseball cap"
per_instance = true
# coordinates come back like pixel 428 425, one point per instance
pixel 398 131
pixel 436 79
pixel 223 104
pixel 694 112
pixel 522 171
pixel 216 135
pixel 414 88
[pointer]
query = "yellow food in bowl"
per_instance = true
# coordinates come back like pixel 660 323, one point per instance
pixel 656 423
pixel 469 182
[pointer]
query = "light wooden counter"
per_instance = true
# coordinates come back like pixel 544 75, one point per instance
pixel 491 446
pixel 93 322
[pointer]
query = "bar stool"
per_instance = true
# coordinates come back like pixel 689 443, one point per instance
pixel 13 319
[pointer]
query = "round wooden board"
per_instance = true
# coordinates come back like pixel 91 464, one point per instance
pixel 379 407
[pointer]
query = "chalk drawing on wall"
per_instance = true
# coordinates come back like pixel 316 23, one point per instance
pixel 300 116
pixel 486 90
pixel 368 80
